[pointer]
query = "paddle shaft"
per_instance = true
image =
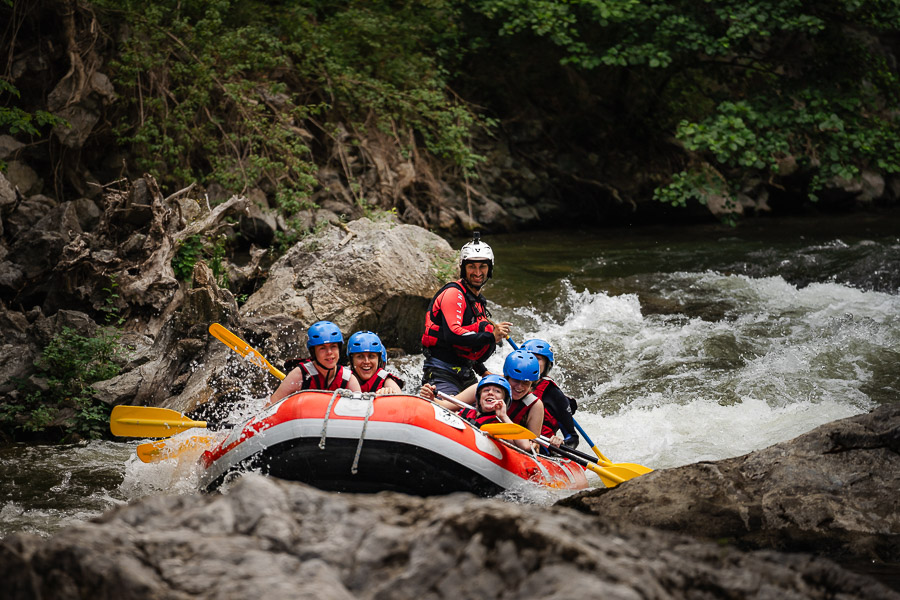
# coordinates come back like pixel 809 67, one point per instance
pixel 243 348
pixel 589 441
pixel 573 451
pixel 605 475
pixel 454 400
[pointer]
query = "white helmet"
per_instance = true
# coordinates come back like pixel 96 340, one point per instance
pixel 476 251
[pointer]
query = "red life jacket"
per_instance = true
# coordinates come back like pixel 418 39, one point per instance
pixel 473 417
pixel 438 337
pixel 551 424
pixel 377 381
pixel 313 380
pixel 518 409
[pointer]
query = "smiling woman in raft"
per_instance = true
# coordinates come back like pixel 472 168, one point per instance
pixel 368 357
pixel 321 370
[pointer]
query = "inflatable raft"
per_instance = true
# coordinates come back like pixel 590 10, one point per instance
pixel 352 442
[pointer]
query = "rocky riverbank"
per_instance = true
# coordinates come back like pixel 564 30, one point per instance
pixel 759 526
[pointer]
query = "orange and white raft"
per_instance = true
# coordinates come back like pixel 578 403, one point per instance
pixel 352 442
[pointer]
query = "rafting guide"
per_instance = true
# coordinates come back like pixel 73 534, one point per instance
pixel 459 335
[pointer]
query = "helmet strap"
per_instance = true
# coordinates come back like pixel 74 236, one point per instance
pixel 328 372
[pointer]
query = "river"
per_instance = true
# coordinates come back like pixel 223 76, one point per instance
pixel 680 345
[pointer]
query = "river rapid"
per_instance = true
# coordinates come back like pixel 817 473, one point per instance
pixel 679 344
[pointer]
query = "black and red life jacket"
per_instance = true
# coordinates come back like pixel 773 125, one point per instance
pixel 473 417
pixel 377 381
pixel 551 424
pixel 518 409
pixel 475 318
pixel 313 380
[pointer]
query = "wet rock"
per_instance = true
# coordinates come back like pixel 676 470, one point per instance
pixel 28 213
pixel 12 278
pixel 7 196
pixel 8 146
pixel 37 249
pixel 87 213
pixel 330 275
pixel 24 178
pixel 81 108
pixel 831 491
pixel 294 541
pixel 259 225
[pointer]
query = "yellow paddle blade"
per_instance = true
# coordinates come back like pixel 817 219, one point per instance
pixel 634 467
pixel 508 431
pixel 243 348
pixel 611 476
pixel 175 447
pixel 147 421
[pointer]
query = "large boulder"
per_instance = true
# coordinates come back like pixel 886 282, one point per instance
pixel 370 275
pixel 288 540
pixel 831 491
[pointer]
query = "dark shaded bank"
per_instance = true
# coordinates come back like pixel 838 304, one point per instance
pixel 814 517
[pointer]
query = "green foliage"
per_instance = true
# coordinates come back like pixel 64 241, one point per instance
pixel 14 120
pixel 445 269
pixel 217 261
pixel 186 256
pixel 236 92
pixel 194 248
pixel 110 306
pixel 743 84
pixel 69 364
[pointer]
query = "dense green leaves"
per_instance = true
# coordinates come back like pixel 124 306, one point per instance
pixel 15 120
pixel 743 84
pixel 68 366
pixel 236 92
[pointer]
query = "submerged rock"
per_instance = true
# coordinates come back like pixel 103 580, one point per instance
pixel 286 540
pixel 832 491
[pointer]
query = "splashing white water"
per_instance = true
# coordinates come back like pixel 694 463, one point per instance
pixel 772 362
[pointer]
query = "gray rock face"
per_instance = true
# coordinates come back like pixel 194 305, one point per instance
pixel 380 276
pixel 286 540
pixel 831 491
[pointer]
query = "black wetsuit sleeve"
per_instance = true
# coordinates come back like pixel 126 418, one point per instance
pixel 558 404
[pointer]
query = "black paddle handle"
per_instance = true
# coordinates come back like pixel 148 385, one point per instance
pixel 567 453
pixel 581 454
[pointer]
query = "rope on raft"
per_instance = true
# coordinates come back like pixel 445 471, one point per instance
pixel 366 397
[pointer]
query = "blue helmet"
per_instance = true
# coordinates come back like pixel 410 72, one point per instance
pixel 540 348
pixel 323 332
pixel 522 365
pixel 493 380
pixel 366 341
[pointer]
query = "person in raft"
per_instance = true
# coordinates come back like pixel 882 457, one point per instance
pixel 522 370
pixel 321 370
pixel 492 394
pixel 558 408
pixel 459 335
pixel 368 357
